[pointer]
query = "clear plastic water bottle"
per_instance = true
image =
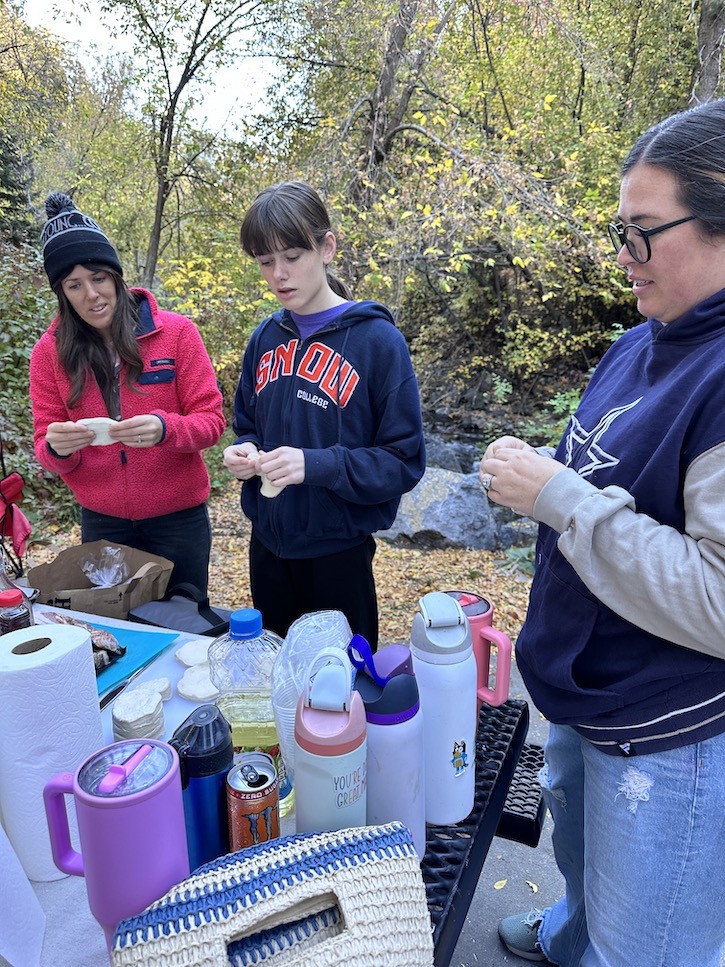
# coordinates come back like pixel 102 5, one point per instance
pixel 240 665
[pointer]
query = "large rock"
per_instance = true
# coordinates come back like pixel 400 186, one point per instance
pixel 453 454
pixel 449 509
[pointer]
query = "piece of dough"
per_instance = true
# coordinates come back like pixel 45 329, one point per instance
pixel 194 652
pixel 160 685
pixel 138 714
pixel 99 425
pixel 268 489
pixel 196 685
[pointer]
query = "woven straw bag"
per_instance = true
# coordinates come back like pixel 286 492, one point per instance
pixel 354 897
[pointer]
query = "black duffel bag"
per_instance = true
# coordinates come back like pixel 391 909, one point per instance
pixel 183 608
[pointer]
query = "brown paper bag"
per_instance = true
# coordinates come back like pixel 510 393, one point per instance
pixel 63 584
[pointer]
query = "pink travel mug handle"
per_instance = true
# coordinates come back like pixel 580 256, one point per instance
pixel 64 856
pixel 500 692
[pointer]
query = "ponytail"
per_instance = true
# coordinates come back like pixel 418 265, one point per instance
pixel 339 287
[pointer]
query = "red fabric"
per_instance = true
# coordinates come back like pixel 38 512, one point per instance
pixel 13 522
pixel 18 526
pixel 11 488
pixel 137 483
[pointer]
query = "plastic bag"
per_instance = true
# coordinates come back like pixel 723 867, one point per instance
pixel 290 672
pixel 107 568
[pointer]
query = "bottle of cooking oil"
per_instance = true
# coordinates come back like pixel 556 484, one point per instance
pixel 240 665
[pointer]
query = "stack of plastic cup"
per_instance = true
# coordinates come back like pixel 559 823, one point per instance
pixel 306 637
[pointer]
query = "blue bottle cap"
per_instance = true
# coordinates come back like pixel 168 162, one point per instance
pixel 245 623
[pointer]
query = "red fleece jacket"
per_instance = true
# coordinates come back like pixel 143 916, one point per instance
pixel 177 384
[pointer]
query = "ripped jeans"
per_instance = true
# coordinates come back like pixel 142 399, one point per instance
pixel 641 845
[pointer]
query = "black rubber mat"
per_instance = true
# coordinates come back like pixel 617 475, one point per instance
pixel 523 814
pixel 455 854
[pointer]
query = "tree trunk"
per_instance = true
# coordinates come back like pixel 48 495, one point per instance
pixel 710 36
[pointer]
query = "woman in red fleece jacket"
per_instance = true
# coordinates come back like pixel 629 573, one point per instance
pixel 112 353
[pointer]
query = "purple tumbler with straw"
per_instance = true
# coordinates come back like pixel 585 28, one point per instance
pixel 130 824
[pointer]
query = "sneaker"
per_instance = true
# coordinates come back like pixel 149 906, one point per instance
pixel 520 934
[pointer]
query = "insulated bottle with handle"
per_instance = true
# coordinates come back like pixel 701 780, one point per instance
pixel 445 669
pixel 130 825
pixel 479 612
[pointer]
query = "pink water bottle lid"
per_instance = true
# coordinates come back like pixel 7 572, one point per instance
pixel 330 718
pixel 472 604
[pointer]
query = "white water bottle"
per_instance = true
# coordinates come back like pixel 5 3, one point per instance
pixel 445 669
pixel 330 748
pixel 396 751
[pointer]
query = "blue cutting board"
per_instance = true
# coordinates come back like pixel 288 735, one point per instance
pixel 141 647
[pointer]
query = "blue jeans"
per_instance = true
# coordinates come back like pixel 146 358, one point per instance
pixel 641 845
pixel 183 537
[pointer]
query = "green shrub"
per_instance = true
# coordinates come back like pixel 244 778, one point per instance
pixel 26 308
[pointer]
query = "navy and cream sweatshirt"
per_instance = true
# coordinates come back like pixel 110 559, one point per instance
pixel 625 633
pixel 348 397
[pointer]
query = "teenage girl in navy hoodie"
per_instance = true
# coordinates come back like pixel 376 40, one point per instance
pixel 623 648
pixel 328 410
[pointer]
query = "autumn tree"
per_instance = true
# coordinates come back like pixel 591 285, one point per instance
pixel 177 47
pixel 473 150
pixel 32 95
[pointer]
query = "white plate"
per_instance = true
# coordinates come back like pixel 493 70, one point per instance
pixel 99 425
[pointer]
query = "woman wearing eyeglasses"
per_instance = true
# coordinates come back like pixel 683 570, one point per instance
pixel 623 649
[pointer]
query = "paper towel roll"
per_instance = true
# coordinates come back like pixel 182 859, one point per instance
pixel 22 924
pixel 50 721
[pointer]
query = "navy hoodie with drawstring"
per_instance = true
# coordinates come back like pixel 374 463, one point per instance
pixel 625 633
pixel 346 396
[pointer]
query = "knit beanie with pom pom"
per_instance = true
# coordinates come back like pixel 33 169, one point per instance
pixel 72 238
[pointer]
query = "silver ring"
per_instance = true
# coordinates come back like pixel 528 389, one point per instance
pixel 140 439
pixel 486 481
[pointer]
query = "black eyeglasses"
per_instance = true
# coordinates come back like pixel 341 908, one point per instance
pixel 637 239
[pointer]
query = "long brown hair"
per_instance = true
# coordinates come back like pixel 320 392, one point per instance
pixel 83 352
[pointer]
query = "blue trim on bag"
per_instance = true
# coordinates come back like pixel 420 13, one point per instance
pixel 184 909
pixel 258 947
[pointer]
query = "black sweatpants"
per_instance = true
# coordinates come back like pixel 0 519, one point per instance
pixel 284 589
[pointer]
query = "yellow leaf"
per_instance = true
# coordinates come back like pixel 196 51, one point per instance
pixel 532 886
pixel 500 884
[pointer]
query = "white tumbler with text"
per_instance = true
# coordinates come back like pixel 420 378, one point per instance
pixel 330 748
